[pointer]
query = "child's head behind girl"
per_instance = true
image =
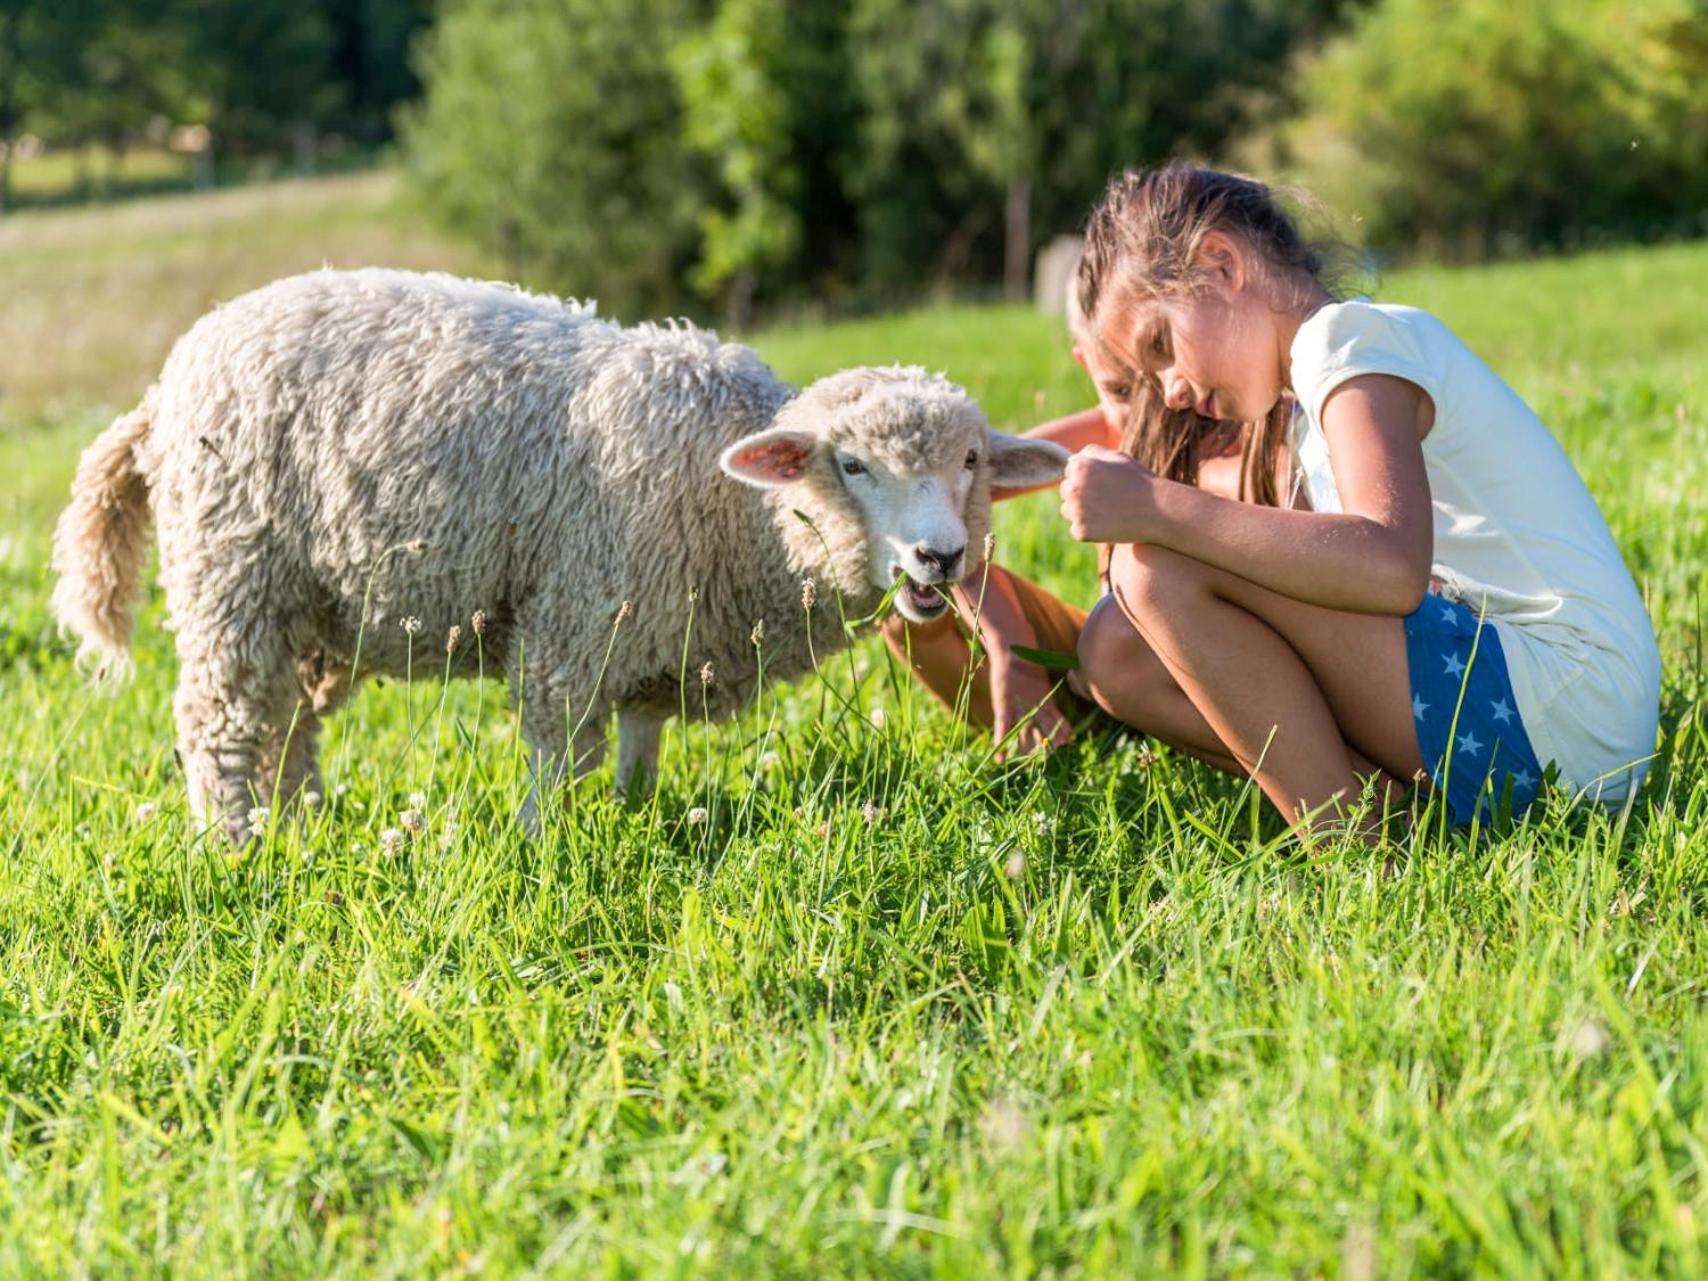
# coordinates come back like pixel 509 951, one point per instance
pixel 1184 276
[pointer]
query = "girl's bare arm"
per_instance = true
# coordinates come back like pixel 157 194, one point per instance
pixel 1372 557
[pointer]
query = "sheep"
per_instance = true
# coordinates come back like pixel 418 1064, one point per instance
pixel 376 472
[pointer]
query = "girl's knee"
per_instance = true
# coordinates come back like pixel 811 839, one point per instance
pixel 1111 653
pixel 1117 667
pixel 1150 580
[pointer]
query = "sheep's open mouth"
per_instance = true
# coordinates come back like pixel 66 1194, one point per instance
pixel 923 599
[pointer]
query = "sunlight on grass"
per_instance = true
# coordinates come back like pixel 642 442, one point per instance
pixel 845 997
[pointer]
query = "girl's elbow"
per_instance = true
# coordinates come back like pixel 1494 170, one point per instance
pixel 1405 586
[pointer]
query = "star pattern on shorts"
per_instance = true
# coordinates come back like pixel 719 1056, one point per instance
pixel 1501 711
pixel 1468 743
pixel 1418 706
pixel 1455 665
pixel 1522 779
pixel 1447 610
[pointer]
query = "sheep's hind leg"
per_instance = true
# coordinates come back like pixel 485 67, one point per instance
pixel 638 730
pixel 232 714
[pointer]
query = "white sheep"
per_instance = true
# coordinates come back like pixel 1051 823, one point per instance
pixel 350 472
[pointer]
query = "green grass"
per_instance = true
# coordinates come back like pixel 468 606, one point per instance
pixel 1073 1018
pixel 95 296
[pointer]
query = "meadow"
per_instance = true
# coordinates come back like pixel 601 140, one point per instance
pixel 846 997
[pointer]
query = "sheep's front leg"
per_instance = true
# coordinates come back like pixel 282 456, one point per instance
pixel 547 732
pixel 638 730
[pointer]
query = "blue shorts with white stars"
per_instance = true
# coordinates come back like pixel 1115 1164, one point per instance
pixel 1468 729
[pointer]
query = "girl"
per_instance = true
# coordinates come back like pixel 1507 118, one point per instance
pixel 1453 604
pixel 1008 695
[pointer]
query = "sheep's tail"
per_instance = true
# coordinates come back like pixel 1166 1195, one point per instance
pixel 99 544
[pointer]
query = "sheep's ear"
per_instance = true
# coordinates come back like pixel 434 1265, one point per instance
pixel 1017 462
pixel 778 456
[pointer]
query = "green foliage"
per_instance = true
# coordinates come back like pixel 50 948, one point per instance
pixel 1479 127
pixel 736 115
pixel 263 75
pixel 816 151
pixel 890 1009
pixel 964 99
pixel 551 133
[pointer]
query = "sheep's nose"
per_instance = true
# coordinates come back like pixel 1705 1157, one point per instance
pixel 947 564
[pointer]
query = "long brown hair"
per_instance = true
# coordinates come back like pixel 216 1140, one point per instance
pixel 1142 242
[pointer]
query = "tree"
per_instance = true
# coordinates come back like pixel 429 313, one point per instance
pixel 551 131
pixel 975 106
pixel 736 116
pixel 1477 127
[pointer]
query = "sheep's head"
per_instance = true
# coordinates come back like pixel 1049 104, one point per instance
pixel 894 468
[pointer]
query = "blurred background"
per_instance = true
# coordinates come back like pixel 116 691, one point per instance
pixel 746 161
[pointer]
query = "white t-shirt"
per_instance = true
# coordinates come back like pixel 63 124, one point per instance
pixel 1515 527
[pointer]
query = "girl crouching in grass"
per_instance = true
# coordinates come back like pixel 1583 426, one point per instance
pixel 1452 607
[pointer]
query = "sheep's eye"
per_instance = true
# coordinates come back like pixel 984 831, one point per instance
pixel 852 468
pixel 972 459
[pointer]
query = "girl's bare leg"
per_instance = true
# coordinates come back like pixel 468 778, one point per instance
pixel 1303 698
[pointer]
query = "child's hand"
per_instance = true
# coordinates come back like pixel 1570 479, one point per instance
pixel 1019 690
pixel 1107 497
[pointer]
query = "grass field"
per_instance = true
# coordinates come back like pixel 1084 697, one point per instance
pixel 889 1009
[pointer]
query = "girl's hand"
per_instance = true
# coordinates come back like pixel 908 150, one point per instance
pixel 1108 498
pixel 1019 690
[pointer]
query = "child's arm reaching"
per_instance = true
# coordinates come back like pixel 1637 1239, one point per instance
pixel 1073 433
pixel 1372 557
pixel 1016 687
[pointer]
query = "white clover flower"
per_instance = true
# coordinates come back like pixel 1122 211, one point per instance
pixel 312 800
pixel 391 842
pixel 696 816
pixel 418 800
pixel 411 624
pixel 1044 823
pixel 412 821
pixel 877 718
pixel 145 811
pixel 258 820
pixel 870 812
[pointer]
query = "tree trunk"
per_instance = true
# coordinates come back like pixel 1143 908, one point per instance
pixel 9 112
pixel 738 302
pixel 1018 248
pixel 305 147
